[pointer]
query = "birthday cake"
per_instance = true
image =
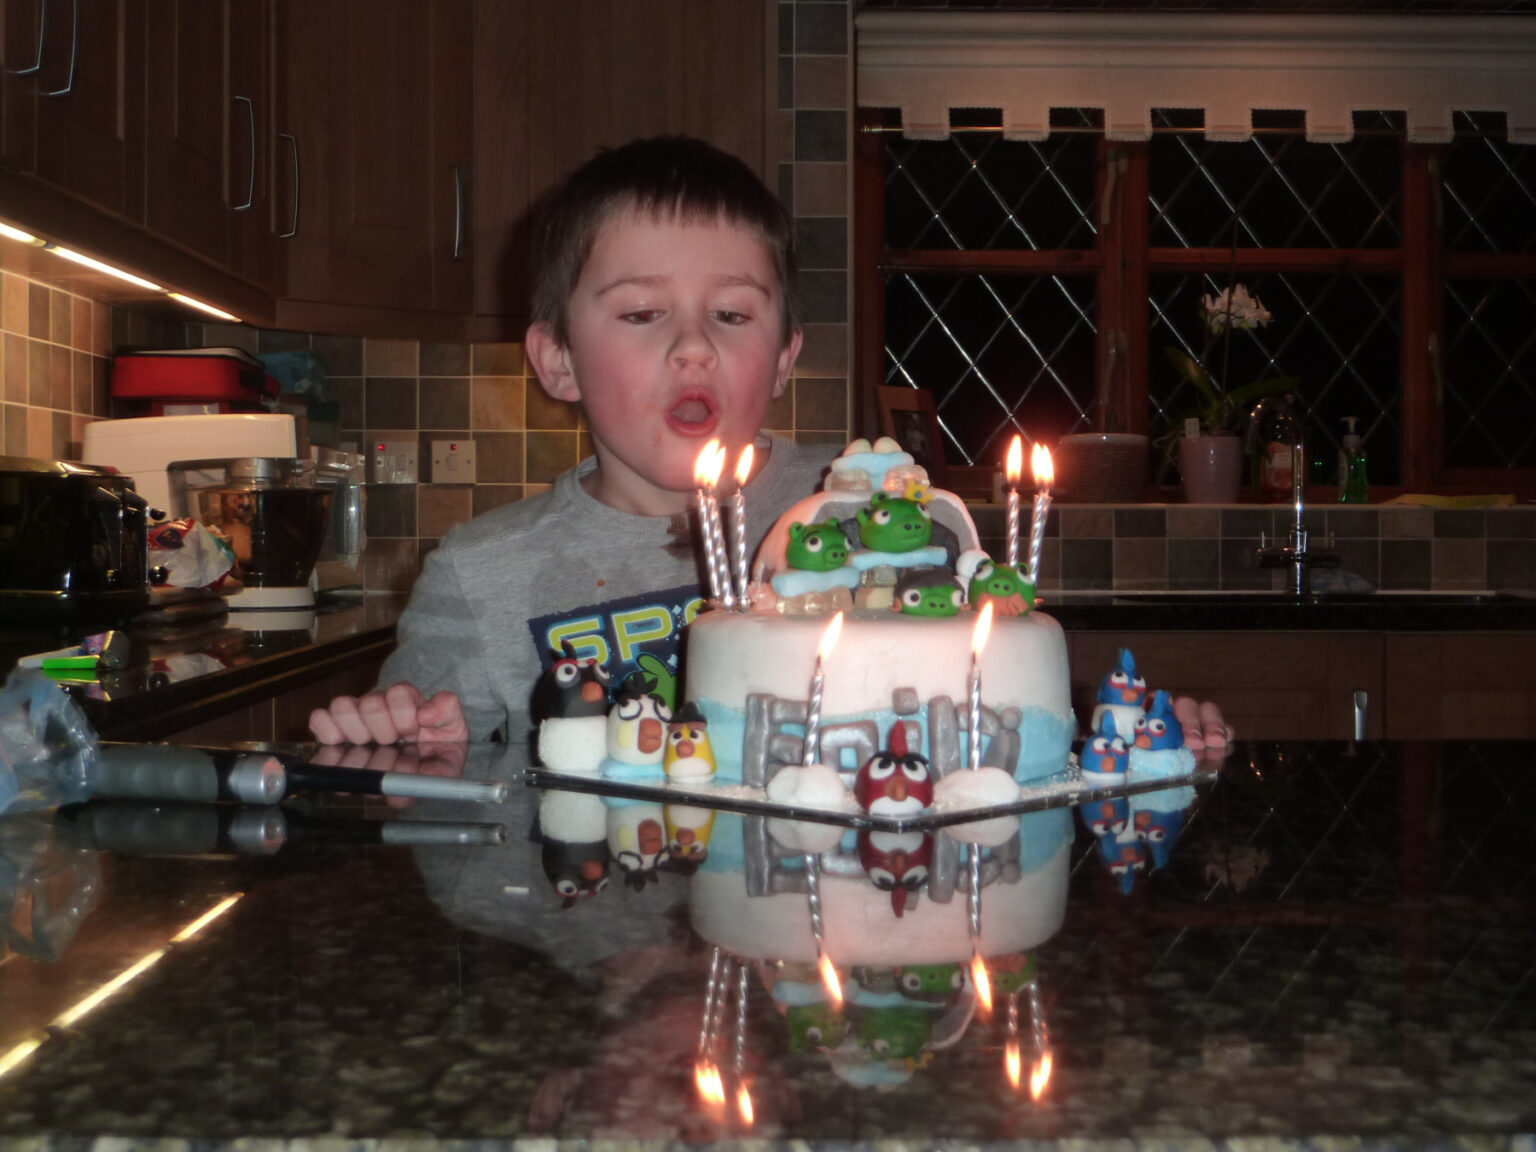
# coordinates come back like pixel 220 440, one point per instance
pixel 902 563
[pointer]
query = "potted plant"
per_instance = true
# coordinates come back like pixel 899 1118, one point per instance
pixel 1206 437
pixel 1107 465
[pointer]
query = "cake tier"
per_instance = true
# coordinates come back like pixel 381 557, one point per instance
pixel 746 670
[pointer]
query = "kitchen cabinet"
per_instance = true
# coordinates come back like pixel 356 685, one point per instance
pixel 554 82
pixel 208 132
pixel 1271 685
pixel 373 164
pixel 1461 686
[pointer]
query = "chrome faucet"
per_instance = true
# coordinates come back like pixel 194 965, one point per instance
pixel 1297 552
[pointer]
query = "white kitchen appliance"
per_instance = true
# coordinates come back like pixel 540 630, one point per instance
pixel 254 462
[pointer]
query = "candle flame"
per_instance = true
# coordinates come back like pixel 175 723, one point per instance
pixel 744 1105
pixel 829 980
pixel 983 629
pixel 705 471
pixel 744 465
pixel 829 637
pixel 1040 464
pixel 1013 1061
pixel 982 981
pixel 1015 465
pixel 1040 1075
pixel 707 1077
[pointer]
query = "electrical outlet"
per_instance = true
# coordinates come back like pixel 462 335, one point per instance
pixel 453 461
pixel 392 462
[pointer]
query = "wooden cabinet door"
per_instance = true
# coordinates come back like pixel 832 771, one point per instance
pixel 1270 685
pixel 188 160
pixel 89 95
pixel 376 111
pixel 21 47
pixel 1461 686
pixel 555 80
pixel 252 149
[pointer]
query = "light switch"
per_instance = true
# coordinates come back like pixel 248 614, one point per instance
pixel 392 462
pixel 453 461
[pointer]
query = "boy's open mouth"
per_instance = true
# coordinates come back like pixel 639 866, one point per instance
pixel 694 414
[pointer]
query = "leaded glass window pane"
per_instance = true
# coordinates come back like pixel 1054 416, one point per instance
pixel 1489 365
pixel 1283 191
pixel 1488 188
pixel 999 353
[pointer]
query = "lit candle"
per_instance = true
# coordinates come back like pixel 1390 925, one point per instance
pixel 1040 1073
pixel 1013 1058
pixel 813 707
pixel 743 1096
pixel 701 473
pixel 978 642
pixel 739 523
pixel 717 526
pixel 1045 473
pixel 979 977
pixel 1014 469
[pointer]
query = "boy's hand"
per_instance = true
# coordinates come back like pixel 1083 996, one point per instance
pixel 1204 726
pixel 398 713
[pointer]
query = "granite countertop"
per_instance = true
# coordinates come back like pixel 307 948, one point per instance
pixel 179 677
pixel 1244 610
pixel 1337 951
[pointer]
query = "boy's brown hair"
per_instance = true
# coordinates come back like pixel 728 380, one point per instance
pixel 663 177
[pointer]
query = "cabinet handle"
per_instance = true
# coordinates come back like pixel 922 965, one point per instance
pixel 250 188
pixel 74 50
pixel 294 143
pixel 42 28
pixel 459 188
pixel 1360 701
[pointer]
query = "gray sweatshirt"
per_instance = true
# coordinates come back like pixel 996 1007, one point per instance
pixel 502 592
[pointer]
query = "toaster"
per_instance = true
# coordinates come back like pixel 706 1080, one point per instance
pixel 73 544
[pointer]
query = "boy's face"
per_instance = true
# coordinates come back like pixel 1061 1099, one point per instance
pixel 675 337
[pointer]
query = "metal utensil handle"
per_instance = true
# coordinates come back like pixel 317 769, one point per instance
pixel 74 51
pixel 42 28
pixel 250 188
pixel 293 229
pixel 1361 700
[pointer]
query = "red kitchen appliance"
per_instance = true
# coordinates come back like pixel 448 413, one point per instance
pixel 177 382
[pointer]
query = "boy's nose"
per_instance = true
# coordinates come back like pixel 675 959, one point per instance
pixel 693 347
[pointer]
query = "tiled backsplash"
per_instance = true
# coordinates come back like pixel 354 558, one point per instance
pixel 1154 546
pixel 53 365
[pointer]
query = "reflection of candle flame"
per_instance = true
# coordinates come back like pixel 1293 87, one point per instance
pixel 1015 464
pixel 982 981
pixel 1040 464
pixel 1012 1063
pixel 829 980
pixel 983 629
pixel 829 637
pixel 744 465
pixel 1040 1075
pixel 704 471
pixel 744 1105
pixel 707 1077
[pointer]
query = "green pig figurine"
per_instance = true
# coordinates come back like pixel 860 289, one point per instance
pixel 894 524
pixel 1010 593
pixel 926 592
pixel 813 1026
pixel 816 547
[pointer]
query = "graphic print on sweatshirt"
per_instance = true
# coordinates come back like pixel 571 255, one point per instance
pixel 643 632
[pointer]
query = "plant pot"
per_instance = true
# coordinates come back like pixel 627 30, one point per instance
pixel 1212 468
pixel 1100 468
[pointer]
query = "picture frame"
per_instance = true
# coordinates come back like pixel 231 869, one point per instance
pixel 909 417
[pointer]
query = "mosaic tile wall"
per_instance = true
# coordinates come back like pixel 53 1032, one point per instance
pixel 54 367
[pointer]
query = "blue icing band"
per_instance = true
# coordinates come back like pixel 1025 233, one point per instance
pixel 930 556
pixel 618 770
pixel 1155 764
pixel 797 993
pixel 864 998
pixel 873 464
pixel 1164 799
pixel 796 582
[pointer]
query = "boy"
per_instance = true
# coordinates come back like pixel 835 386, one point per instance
pixel 664 302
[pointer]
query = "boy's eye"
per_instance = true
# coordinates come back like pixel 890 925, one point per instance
pixel 640 315
pixel 726 316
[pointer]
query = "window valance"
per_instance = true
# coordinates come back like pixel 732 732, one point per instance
pixel 1226 64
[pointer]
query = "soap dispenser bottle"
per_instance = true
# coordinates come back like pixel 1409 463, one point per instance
pixel 1352 482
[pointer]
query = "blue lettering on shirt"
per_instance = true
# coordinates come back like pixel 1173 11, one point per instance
pixel 635 633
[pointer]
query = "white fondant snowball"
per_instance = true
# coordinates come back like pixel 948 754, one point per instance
pixel 982 788
pixel 800 836
pixel 812 786
pixel 574 744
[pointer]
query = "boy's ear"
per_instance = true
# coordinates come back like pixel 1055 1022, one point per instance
pixel 551 362
pixel 787 357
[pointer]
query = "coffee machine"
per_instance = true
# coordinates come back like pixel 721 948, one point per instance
pixel 246 477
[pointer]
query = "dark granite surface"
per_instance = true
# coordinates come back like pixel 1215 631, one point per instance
pixel 179 677
pixel 1221 611
pixel 1339 952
